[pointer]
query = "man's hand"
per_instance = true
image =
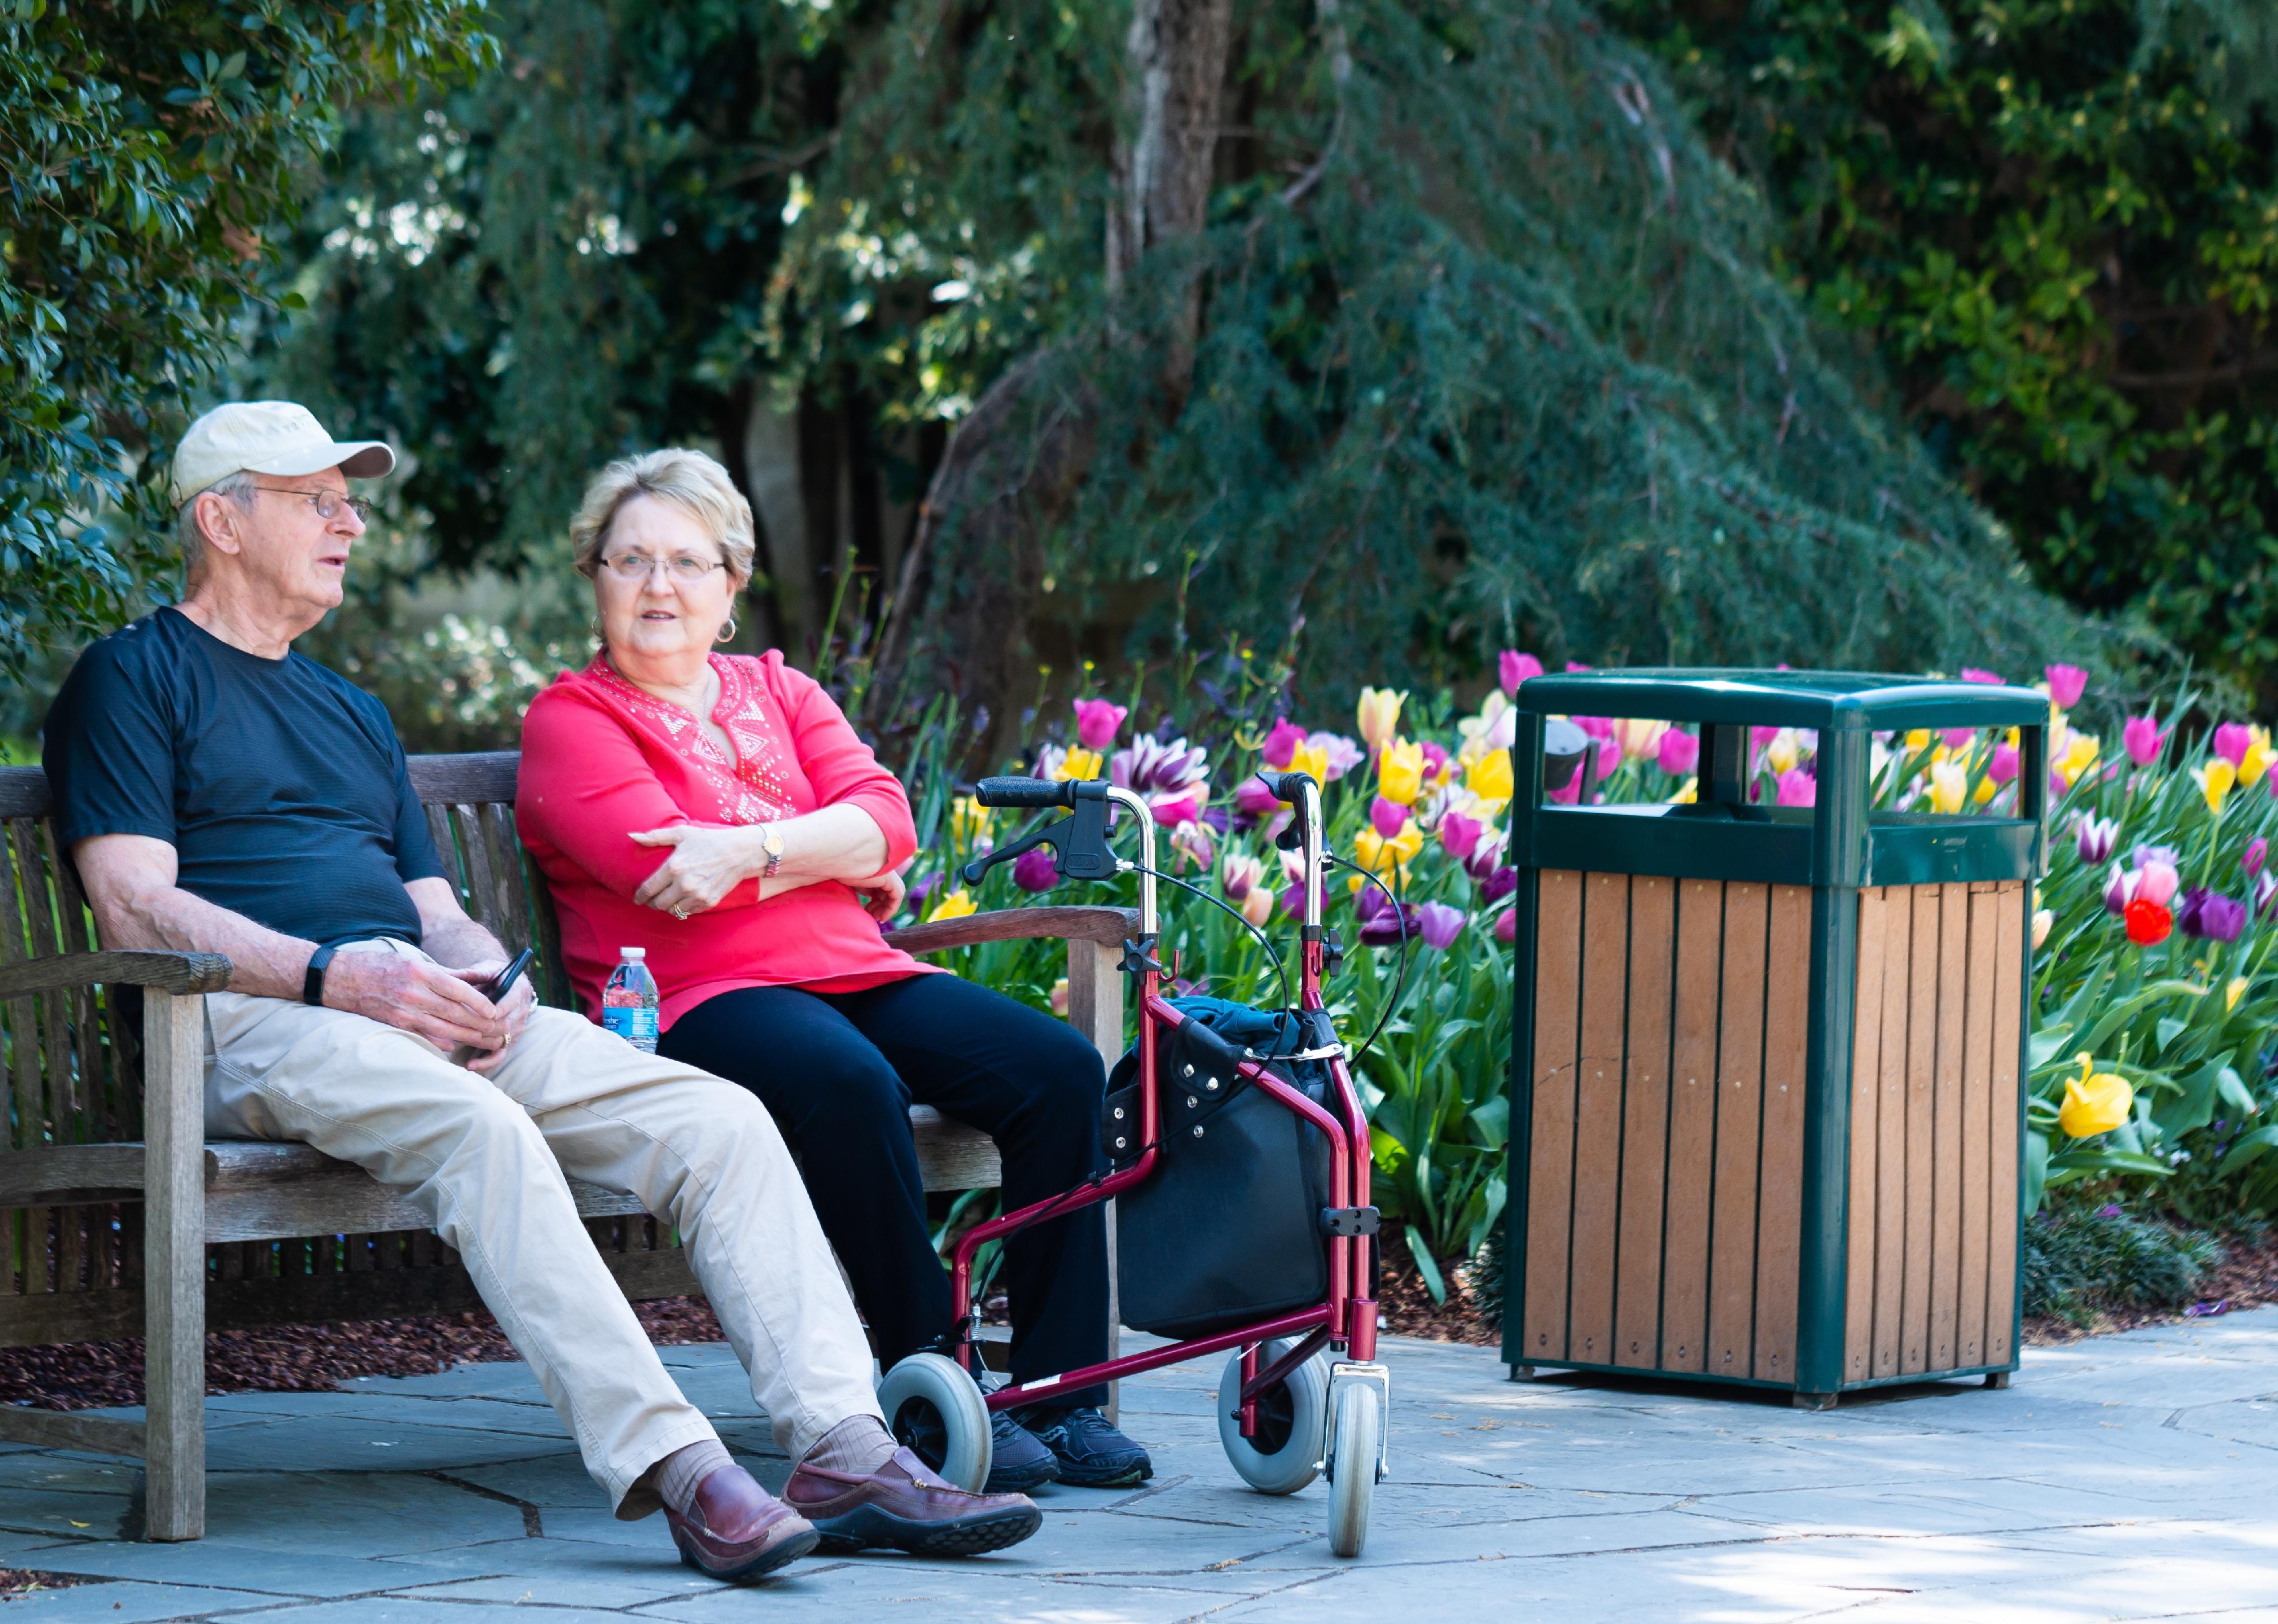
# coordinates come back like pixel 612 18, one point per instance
pixel 705 864
pixel 423 999
pixel 514 1012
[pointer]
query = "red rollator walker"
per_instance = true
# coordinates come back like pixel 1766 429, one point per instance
pixel 1241 1157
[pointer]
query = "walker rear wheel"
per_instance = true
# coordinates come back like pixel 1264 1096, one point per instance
pixel 1292 1422
pixel 1352 1471
pixel 932 1406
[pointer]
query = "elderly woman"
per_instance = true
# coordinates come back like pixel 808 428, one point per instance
pixel 718 811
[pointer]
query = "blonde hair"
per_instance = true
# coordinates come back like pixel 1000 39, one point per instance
pixel 690 481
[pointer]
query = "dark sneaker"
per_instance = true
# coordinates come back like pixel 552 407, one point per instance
pixel 1018 1460
pixel 906 1506
pixel 1090 1452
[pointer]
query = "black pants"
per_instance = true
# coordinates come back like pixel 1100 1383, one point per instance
pixel 840 1071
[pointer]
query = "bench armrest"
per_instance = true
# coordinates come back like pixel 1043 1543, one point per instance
pixel 1109 927
pixel 172 972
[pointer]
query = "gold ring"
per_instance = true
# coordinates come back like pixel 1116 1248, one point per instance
pixel 680 913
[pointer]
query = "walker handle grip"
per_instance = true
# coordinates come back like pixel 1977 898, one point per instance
pixel 1024 792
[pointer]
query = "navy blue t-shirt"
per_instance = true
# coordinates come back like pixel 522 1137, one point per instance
pixel 281 786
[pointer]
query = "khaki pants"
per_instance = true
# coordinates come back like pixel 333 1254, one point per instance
pixel 485 1158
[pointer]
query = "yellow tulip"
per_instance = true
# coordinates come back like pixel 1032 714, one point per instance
pixel 1380 856
pixel 1379 715
pixel 1687 795
pixel 2232 993
pixel 968 822
pixel 1400 771
pixel 2258 758
pixel 1986 790
pixel 956 905
pixel 2095 1101
pixel 1780 754
pixel 2079 756
pixel 1059 997
pixel 1639 738
pixel 1491 777
pixel 2214 781
pixel 1313 759
pixel 2042 921
pixel 1949 784
pixel 1079 763
pixel 1919 739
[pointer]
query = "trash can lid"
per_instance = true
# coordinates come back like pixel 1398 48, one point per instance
pixel 1842 701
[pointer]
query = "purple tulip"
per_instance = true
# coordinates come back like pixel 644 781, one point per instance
pixel 2094 838
pixel 1152 767
pixel 2119 891
pixel 2231 741
pixel 2142 738
pixel 2266 892
pixel 1344 754
pixel 1388 817
pixel 1487 856
pixel 1497 886
pixel 1506 926
pixel 1252 799
pixel 2144 856
pixel 2251 858
pixel 1386 928
pixel 1097 722
pixel 1459 835
pixel 2211 916
pixel 1440 925
pixel 1032 869
pixel 1798 787
pixel 1515 668
pixel 1679 752
pixel 1971 673
pixel 1293 902
pixel 923 888
pixel 1281 743
pixel 2066 683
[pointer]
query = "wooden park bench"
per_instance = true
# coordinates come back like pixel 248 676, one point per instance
pixel 120 1218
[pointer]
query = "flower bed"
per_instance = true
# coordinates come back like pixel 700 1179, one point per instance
pixel 2148 1067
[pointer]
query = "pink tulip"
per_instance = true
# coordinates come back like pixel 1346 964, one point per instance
pixel 2066 683
pixel 1505 927
pixel 1596 726
pixel 1798 787
pixel 2142 738
pixel 1435 757
pixel 1459 834
pixel 1389 817
pixel 2057 785
pixel 1571 793
pixel 2003 768
pixel 1344 754
pixel 1760 740
pixel 2231 741
pixel 1959 738
pixel 1679 754
pixel 1251 797
pixel 1515 668
pixel 2155 883
pixel 1281 742
pixel 1173 810
pixel 1096 722
pixel 1610 758
pixel 1971 673
pixel 2251 858
pixel 1573 666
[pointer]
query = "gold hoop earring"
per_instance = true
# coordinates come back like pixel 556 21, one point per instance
pixel 727 634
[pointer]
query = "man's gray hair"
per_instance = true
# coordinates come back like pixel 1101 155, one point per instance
pixel 238 487
pixel 690 481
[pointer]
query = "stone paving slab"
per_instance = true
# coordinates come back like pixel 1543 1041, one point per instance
pixel 2128 1477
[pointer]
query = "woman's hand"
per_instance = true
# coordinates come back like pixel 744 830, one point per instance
pixel 882 897
pixel 705 866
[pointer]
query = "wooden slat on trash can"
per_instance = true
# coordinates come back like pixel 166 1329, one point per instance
pixel 1692 1125
pixel 1866 1087
pixel 1550 1175
pixel 2008 1010
pixel 1922 1076
pixel 1889 1211
pixel 1645 1121
pixel 1779 1212
pixel 1976 1121
pixel 1945 1126
pixel 1598 1118
pixel 1739 1119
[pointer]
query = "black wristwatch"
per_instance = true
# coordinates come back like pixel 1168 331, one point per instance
pixel 312 987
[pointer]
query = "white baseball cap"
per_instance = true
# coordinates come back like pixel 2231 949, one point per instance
pixel 268 437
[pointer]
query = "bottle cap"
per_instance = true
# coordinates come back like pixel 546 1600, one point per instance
pixel 635 953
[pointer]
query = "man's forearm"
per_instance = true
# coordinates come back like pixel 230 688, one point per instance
pixel 460 943
pixel 264 962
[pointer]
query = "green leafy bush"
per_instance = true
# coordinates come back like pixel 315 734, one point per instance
pixel 2082 1260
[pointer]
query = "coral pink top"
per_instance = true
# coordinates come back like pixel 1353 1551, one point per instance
pixel 603 759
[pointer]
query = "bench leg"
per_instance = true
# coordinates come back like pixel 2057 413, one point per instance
pixel 1095 1010
pixel 174 1265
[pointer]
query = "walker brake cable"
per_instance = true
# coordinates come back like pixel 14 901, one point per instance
pixel 1400 977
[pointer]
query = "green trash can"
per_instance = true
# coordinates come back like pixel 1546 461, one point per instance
pixel 1767 1079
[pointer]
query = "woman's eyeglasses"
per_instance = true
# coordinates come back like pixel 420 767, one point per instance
pixel 327 503
pixel 638 566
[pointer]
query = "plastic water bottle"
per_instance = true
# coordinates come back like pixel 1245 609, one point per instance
pixel 629 1001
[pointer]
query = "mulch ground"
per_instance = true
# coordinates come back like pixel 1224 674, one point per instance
pixel 2247 1277
pixel 318 1358
pixel 16 1582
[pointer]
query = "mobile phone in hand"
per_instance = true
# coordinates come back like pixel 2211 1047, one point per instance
pixel 497 987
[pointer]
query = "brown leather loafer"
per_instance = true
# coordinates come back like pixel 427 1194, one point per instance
pixel 739 1530
pixel 906 1506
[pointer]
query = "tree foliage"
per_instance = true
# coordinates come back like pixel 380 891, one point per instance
pixel 151 148
pixel 2058 222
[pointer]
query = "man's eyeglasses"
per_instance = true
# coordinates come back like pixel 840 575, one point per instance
pixel 327 503
pixel 638 566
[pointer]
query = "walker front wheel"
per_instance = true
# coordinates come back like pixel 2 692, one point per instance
pixel 932 1406
pixel 1359 1447
pixel 1292 1422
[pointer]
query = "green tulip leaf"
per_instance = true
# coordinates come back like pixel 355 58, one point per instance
pixel 2036 1171
pixel 2045 1046
pixel 2247 1149
pixel 2236 1093
pixel 1426 1264
pixel 2130 1007
pixel 2168 1029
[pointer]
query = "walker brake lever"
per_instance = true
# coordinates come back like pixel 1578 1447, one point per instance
pixel 1041 835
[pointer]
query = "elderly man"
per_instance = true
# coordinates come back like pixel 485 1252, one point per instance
pixel 221 793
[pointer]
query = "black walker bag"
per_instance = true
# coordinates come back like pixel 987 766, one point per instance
pixel 1228 1229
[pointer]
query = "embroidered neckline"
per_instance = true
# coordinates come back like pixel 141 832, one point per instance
pixel 751 787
